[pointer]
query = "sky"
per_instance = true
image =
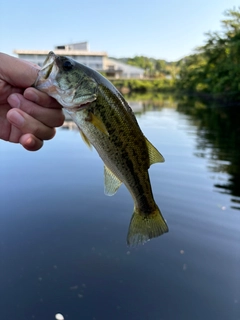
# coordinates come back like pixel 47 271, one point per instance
pixel 168 29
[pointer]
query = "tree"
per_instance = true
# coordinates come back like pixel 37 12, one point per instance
pixel 215 67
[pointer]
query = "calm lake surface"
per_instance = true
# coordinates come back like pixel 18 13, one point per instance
pixel 63 242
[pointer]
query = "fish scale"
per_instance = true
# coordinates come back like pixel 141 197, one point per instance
pixel 106 122
pixel 122 148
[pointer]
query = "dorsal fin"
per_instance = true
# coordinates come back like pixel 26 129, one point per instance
pixel 154 155
pixel 111 182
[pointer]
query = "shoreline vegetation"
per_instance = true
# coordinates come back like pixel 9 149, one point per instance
pixel 212 72
pixel 128 86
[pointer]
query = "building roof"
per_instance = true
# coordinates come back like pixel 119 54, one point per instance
pixel 74 46
pixel 62 52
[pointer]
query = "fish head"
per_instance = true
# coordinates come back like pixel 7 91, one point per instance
pixel 65 80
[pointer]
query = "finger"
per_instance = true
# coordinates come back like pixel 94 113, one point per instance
pixel 30 142
pixel 27 124
pixel 48 116
pixel 41 98
pixel 17 72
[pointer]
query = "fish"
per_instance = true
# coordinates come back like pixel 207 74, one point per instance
pixel 106 122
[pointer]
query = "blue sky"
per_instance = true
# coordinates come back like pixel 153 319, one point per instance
pixel 167 29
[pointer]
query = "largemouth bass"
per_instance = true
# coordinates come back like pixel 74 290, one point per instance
pixel 106 121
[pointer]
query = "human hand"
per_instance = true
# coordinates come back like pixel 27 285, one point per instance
pixel 27 116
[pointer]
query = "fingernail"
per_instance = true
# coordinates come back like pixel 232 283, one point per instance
pixel 30 143
pixel 16 118
pixel 14 101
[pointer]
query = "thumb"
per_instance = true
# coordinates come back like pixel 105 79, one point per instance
pixel 17 72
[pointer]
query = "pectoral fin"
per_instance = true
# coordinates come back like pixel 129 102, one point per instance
pixel 111 182
pixel 154 155
pixel 85 139
pixel 97 123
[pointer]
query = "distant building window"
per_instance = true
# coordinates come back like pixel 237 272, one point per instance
pixel 111 67
pixel 95 58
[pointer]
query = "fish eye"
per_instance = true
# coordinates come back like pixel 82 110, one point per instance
pixel 67 65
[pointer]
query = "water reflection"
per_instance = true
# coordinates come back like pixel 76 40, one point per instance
pixel 218 136
pixel 62 241
pixel 218 131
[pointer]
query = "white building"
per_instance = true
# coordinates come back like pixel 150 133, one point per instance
pixel 116 69
pixel 77 51
pixel 81 53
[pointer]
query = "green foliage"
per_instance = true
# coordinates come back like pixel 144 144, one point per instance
pixel 154 68
pixel 213 70
pixel 144 85
pixel 215 67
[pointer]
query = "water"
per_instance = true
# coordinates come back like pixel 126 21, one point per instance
pixel 63 242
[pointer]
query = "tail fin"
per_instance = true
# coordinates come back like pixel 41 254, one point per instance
pixel 144 227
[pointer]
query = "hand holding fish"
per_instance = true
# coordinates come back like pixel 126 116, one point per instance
pixel 27 116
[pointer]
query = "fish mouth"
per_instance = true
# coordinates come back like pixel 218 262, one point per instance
pixel 79 107
pixel 46 69
pixel 48 64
